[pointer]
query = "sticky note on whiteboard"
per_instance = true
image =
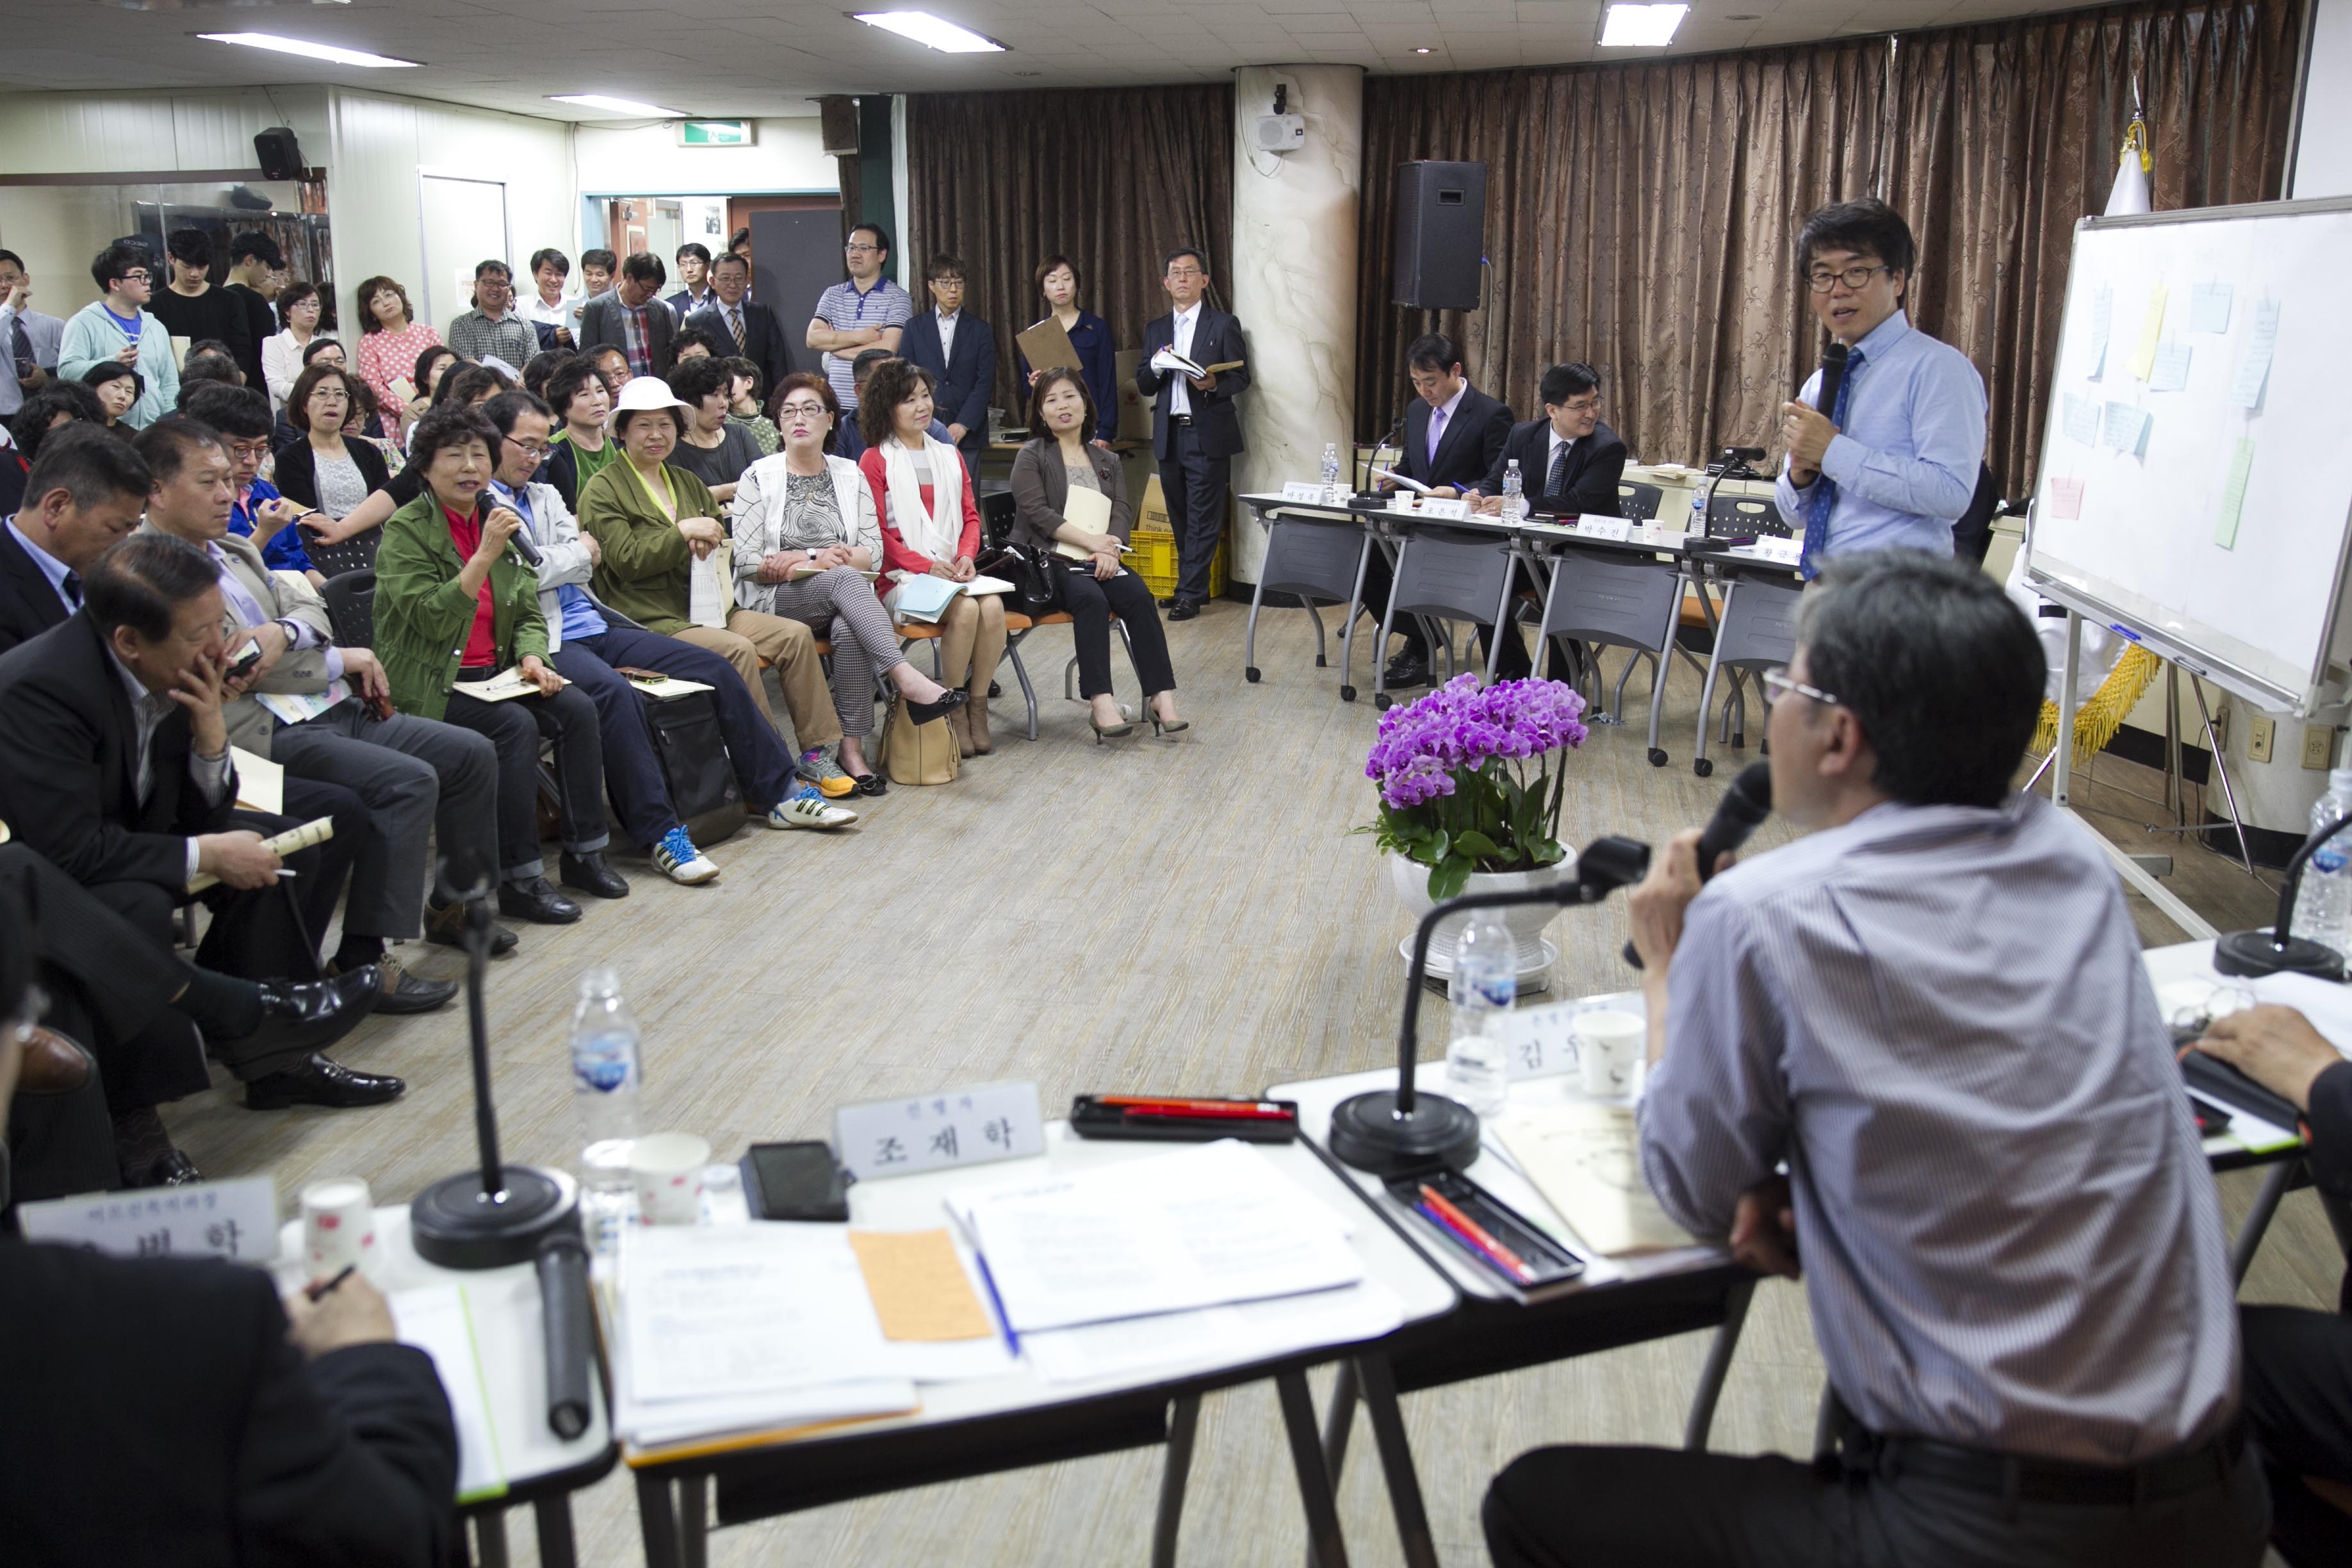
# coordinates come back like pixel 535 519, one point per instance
pixel 2151 330
pixel 2209 306
pixel 2171 371
pixel 2082 419
pixel 2234 495
pixel 2103 313
pixel 2255 368
pixel 2124 428
pixel 2066 498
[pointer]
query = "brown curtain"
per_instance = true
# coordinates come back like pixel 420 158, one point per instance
pixel 1636 219
pixel 2007 133
pixel 1644 216
pixel 1110 179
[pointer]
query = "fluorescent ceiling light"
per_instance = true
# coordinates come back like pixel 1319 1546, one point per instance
pixel 617 105
pixel 1640 27
pixel 936 32
pixel 311 51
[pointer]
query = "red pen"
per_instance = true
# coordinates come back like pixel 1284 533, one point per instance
pixel 1473 1229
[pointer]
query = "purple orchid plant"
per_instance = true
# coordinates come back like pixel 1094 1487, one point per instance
pixel 1452 771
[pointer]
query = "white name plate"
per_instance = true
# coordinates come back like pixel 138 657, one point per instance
pixel 1617 528
pixel 935 1131
pixel 1786 552
pixel 1455 509
pixel 1540 1042
pixel 1314 495
pixel 210 1219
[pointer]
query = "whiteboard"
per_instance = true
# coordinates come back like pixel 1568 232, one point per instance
pixel 2196 484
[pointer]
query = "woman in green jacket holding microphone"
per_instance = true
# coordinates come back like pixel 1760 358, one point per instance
pixel 456 608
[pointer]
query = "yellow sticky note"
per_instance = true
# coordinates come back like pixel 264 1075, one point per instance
pixel 2234 495
pixel 2151 328
pixel 918 1287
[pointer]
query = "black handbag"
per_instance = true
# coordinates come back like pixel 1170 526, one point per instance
pixel 1035 578
pixel 695 764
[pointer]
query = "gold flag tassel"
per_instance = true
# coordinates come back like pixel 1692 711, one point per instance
pixel 2099 717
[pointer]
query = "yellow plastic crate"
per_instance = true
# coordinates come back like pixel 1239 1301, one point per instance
pixel 1153 558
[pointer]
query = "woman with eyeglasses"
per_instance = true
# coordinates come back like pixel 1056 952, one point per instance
pixel 281 355
pixel 806 541
pixel 328 470
pixel 1058 279
pixel 391 340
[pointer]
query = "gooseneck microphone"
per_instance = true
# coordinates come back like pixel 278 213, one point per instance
pixel 1833 377
pixel 1736 817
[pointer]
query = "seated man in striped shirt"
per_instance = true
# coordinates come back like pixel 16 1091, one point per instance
pixel 1932 1009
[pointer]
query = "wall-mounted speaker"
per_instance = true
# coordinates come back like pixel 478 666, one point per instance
pixel 1441 230
pixel 281 158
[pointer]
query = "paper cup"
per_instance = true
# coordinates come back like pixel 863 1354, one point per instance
pixel 1608 1045
pixel 665 1169
pixel 337 1227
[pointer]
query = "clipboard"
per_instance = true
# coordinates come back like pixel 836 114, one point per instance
pixel 1048 347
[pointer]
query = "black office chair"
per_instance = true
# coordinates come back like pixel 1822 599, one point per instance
pixel 1731 515
pixel 1639 502
pixel 353 554
pixel 350 607
pixel 996 514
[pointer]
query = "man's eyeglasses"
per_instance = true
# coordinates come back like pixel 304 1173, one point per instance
pixel 1584 404
pixel 136 277
pixel 1186 272
pixel 861 249
pixel 1822 279
pixel 1777 683
pixel 249 448
pixel 536 449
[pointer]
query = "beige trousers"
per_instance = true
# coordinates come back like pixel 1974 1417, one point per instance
pixel 791 648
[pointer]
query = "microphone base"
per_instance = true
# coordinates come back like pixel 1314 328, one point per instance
pixel 2255 953
pixel 1369 1133
pixel 455 1225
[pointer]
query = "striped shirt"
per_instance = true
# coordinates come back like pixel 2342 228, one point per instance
pixel 1938 1015
pixel 845 310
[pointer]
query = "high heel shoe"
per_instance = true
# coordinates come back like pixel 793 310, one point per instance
pixel 1103 733
pixel 1161 730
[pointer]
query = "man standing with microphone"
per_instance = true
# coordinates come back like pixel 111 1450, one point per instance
pixel 1888 457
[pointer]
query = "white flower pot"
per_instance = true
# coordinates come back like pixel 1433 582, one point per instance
pixel 1526 922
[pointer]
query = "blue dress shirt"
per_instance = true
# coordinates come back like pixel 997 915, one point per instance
pixel 283 550
pixel 1906 464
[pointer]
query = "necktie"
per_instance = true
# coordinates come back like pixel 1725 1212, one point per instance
pixel 1437 432
pixel 1824 496
pixel 20 348
pixel 735 320
pixel 1556 482
pixel 72 586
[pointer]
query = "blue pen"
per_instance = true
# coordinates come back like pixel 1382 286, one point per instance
pixel 1003 1319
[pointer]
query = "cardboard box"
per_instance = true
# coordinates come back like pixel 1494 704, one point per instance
pixel 1151 517
pixel 1134 408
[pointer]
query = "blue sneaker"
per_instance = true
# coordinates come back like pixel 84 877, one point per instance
pixel 677 858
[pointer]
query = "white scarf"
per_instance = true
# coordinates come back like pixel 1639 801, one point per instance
pixel 936 533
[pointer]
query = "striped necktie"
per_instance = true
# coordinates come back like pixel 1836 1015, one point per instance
pixel 735 320
pixel 1824 497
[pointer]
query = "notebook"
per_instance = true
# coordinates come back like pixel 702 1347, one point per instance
pixel 1089 509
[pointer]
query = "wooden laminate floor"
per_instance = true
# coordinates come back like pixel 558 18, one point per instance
pixel 1192 916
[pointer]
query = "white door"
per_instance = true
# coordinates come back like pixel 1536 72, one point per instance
pixel 463 223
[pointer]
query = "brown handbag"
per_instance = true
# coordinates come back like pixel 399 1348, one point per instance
pixel 915 753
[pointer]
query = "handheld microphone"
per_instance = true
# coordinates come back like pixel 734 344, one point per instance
pixel 1736 817
pixel 525 550
pixel 1833 377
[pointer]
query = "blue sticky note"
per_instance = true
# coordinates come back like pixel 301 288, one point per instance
pixel 2209 306
pixel 2082 419
pixel 2103 309
pixel 2255 368
pixel 2171 370
pixel 2124 428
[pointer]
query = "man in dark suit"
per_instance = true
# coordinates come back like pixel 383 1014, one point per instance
pixel 1196 432
pixel 211 1425
pixel 1453 434
pixel 1569 462
pixel 693 260
pixel 733 317
pixel 959 349
pixel 119 771
pixel 86 491
pixel 631 317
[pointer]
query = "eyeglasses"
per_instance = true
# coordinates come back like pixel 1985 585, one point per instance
pixel 536 449
pixel 1584 404
pixel 249 448
pixel 1822 279
pixel 861 249
pixel 1186 272
pixel 1778 682
pixel 136 277
pixel 813 410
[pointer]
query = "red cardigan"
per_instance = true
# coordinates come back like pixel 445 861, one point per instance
pixel 896 557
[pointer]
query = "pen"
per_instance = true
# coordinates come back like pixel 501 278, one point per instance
pixel 1003 1319
pixel 1194 1106
pixel 1472 1228
pixel 322 1287
pixel 1468 1244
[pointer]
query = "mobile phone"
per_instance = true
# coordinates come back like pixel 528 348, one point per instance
pixel 244 664
pixel 795 1181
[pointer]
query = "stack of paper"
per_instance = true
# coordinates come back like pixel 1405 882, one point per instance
pixel 1581 1156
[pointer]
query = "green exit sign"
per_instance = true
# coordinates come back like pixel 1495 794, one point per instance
pixel 714 133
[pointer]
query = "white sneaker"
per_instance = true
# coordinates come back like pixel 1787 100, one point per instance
pixel 807 808
pixel 677 857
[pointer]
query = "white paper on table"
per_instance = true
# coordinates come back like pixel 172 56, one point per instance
pixel 715 1313
pixel 1253 1331
pixel 433 1319
pixel 2325 1003
pixel 1206 1228
pixel 653 1424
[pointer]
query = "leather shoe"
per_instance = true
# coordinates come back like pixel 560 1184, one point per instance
pixel 52 1065
pixel 311 1015
pixel 1405 670
pixel 1184 610
pixel 399 992
pixel 536 901
pixel 321 1081
pixel 172 1170
pixel 1167 603
pixel 446 924
pixel 590 874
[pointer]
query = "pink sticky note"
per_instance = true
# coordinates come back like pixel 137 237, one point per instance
pixel 2067 498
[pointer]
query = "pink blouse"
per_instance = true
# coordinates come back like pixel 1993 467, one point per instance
pixel 387 357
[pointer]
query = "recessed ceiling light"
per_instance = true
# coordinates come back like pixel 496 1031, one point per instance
pixel 934 31
pixel 1640 27
pixel 1421 49
pixel 617 105
pixel 312 51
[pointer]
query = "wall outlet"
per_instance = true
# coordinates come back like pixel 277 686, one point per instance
pixel 2318 746
pixel 2259 735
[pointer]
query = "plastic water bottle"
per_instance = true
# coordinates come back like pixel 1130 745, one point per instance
pixel 1485 983
pixel 1515 502
pixel 1331 474
pixel 2323 905
pixel 605 1077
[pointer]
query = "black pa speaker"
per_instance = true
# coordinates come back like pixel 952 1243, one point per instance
pixel 1441 229
pixel 281 158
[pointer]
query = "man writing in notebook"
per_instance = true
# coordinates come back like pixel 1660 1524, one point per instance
pixel 1932 1009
